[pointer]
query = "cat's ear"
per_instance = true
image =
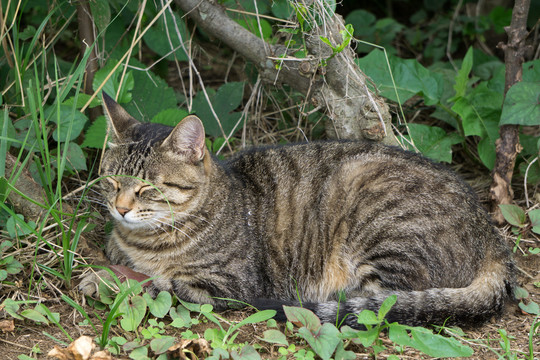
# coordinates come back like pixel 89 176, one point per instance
pixel 119 119
pixel 187 138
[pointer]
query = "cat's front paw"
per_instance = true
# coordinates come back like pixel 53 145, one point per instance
pixel 90 283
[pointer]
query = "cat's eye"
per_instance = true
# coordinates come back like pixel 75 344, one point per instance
pixel 180 187
pixel 113 182
pixel 143 189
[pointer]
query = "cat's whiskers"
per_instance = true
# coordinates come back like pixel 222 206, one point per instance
pixel 187 214
pixel 174 227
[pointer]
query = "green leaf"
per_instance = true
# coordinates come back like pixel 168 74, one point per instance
pixel 166 36
pixel 487 152
pixel 534 215
pixel 27 33
pixel 34 315
pixel 302 317
pixel 11 134
pixel 224 101
pixel 520 293
pixel 462 78
pixel 3 275
pixel 75 157
pixel 133 310
pixel 433 141
pixel 13 266
pixel 82 99
pixel 95 134
pixel 69 122
pixel 323 341
pixel 368 317
pixel 530 308
pixel 112 86
pixel 342 354
pixel 159 307
pixel 275 337
pixel 16 226
pixel 160 346
pixel 11 307
pixel 25 357
pixel 151 95
pixel 522 104
pixel 386 306
pixel 170 117
pixel 248 352
pixel 514 215
pixel 282 9
pixel 252 26
pixel 424 340
pixel 410 77
pixel 101 13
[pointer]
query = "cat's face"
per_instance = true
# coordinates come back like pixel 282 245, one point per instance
pixel 154 175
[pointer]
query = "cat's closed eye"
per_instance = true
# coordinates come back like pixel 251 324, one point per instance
pixel 180 187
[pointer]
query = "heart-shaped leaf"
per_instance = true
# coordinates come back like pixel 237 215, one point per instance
pixel 133 310
pixel 161 305
pixel 324 341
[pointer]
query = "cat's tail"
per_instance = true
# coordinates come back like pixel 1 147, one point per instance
pixel 483 299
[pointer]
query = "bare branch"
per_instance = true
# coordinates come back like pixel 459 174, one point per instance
pixel 338 86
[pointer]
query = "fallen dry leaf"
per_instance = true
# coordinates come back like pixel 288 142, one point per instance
pixel 101 355
pixel 189 349
pixel 7 325
pixel 123 273
pixel 80 349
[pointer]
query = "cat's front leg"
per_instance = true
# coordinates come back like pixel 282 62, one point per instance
pixel 186 292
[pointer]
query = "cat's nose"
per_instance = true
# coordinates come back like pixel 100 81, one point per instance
pixel 122 210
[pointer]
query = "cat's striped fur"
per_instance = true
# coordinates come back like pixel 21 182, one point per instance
pixel 310 219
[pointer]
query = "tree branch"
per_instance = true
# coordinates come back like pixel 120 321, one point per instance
pixel 507 146
pixel 339 87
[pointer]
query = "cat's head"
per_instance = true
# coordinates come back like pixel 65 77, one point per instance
pixel 153 174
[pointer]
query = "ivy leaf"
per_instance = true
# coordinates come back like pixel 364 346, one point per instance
pixel 514 214
pixel 159 307
pixel 275 337
pixel 302 317
pixel 133 310
pixel 248 352
pixel 323 341
pixel 522 104
pixel 530 308
pixel 161 345
pixel 534 215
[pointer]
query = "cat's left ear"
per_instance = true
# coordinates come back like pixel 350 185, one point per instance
pixel 187 138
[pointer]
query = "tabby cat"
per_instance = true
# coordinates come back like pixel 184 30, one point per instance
pixel 312 220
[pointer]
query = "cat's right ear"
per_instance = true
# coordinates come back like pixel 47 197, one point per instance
pixel 187 139
pixel 119 119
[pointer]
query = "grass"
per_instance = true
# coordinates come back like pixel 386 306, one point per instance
pixel 43 256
